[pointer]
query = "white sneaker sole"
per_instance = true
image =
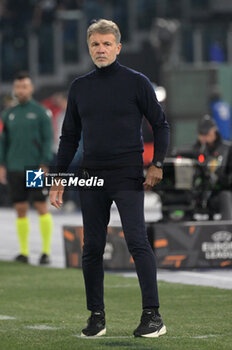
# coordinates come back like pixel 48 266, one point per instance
pixel 156 334
pixel 99 334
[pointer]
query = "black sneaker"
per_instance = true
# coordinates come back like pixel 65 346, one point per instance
pixel 151 325
pixel 96 325
pixel 44 259
pixel 22 258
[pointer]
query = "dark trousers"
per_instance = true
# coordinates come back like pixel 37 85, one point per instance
pixel 96 214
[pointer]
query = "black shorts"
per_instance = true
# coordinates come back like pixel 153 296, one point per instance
pixel 20 193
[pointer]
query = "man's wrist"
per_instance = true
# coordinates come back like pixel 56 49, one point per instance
pixel 157 164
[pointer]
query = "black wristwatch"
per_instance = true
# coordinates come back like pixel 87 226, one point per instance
pixel 157 164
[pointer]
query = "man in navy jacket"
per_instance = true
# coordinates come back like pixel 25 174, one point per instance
pixel 107 105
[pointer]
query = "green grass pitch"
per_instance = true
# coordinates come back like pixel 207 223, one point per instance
pixel 48 311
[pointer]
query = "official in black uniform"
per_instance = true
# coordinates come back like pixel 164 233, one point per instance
pixel 108 105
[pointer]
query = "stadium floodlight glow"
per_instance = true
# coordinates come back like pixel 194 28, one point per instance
pixel 160 92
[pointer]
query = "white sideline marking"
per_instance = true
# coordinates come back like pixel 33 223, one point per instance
pixel 128 274
pixel 202 275
pixel 193 337
pixel 204 336
pixel 104 337
pixel 130 337
pixel 42 327
pixel 205 275
pixel 123 286
pixel 5 317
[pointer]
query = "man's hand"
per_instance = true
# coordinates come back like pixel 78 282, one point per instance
pixel 153 177
pixel 44 168
pixel 56 194
pixel 3 179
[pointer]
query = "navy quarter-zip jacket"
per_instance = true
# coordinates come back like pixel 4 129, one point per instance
pixel 108 105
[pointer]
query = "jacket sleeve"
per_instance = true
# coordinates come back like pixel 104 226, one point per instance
pixel 70 134
pixel 151 109
pixel 47 137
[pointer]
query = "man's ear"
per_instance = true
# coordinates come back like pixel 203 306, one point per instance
pixel 119 48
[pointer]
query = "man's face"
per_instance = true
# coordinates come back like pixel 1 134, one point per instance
pixel 103 49
pixel 23 89
pixel 208 138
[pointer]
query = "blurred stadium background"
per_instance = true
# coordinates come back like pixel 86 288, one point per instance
pixel 185 46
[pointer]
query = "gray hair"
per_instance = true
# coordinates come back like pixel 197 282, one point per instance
pixel 103 26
